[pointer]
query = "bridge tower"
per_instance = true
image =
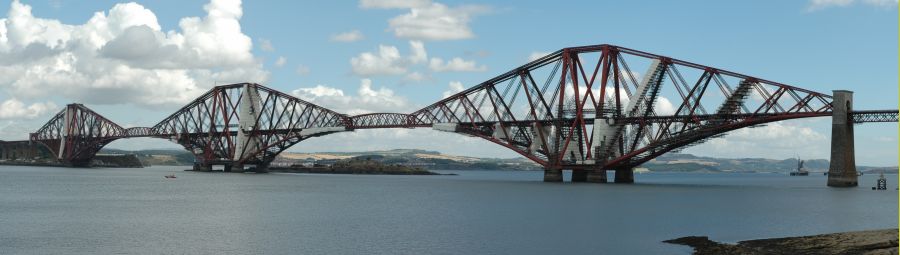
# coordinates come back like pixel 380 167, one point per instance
pixel 248 114
pixel 75 134
pixel 842 168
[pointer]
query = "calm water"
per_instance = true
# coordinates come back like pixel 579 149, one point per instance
pixel 125 211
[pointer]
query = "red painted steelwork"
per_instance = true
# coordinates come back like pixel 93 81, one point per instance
pixel 577 108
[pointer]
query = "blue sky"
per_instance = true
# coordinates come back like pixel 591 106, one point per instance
pixel 820 45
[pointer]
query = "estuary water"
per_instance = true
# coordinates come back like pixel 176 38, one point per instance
pixel 137 211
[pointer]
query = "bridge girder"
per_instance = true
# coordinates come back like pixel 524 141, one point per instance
pixel 874 116
pixel 577 117
pixel 75 134
pixel 386 120
pixel 209 126
pixel 584 108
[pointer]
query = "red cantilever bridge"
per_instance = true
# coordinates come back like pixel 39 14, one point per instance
pixel 585 109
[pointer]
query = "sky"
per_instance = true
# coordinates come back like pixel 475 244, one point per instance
pixel 137 62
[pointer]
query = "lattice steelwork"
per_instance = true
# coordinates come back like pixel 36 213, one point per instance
pixel 875 116
pixel 210 125
pixel 387 120
pixel 75 134
pixel 548 110
pixel 139 132
pixel 600 107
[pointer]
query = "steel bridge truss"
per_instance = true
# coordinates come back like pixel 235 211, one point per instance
pixel 589 108
pixel 246 124
pixel 874 116
pixel 600 107
pixel 232 124
pixel 76 134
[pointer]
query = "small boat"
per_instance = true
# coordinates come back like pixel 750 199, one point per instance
pixel 171 176
pixel 800 171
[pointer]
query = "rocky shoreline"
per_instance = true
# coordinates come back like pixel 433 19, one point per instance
pixel 882 241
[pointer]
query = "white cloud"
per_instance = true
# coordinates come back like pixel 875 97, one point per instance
pixel 388 61
pixel 122 56
pixel 366 100
pixel 16 130
pixel 302 70
pixel 280 61
pixel 15 109
pixel 266 45
pixel 776 140
pixel 392 4
pixel 454 87
pixel 535 55
pixel 455 65
pixel 815 5
pixel 882 3
pixel 416 77
pixel 663 106
pixel 820 4
pixel 428 20
pixel 382 97
pixel 387 139
pixel 418 52
pixel 351 36
pixel 319 91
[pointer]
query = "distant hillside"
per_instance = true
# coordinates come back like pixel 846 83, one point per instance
pixel 679 162
pixel 433 160
pixel 157 157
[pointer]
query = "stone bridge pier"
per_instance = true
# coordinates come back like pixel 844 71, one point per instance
pixel 842 168
pixel 21 150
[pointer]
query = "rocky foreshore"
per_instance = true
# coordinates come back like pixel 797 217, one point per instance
pixel 860 242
